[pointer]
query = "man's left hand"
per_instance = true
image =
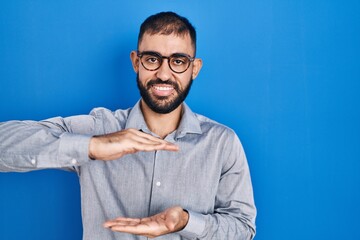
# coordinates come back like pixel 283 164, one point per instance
pixel 171 220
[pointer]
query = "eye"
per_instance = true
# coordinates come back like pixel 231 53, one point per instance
pixel 152 59
pixel 178 61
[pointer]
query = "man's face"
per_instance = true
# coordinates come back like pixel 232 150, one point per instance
pixel 163 90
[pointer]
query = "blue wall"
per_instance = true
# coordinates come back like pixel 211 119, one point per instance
pixel 285 75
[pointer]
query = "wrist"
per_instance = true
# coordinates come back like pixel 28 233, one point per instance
pixel 92 145
pixel 184 218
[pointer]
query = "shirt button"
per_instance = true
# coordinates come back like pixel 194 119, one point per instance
pixel 158 184
pixel 73 161
pixel 33 161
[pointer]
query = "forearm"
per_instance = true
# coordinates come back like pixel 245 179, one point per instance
pixel 29 145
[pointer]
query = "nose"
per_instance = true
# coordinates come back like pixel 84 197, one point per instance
pixel 164 72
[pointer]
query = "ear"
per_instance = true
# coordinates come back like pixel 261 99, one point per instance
pixel 135 61
pixel 196 67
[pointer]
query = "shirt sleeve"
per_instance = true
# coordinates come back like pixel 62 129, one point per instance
pixel 234 212
pixel 53 143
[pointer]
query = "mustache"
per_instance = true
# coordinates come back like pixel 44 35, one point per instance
pixel 159 81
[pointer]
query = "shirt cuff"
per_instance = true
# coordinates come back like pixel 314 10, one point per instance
pixel 195 226
pixel 74 149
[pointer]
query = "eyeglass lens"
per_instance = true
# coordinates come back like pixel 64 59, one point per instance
pixel 152 61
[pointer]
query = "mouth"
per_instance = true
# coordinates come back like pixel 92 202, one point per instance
pixel 162 90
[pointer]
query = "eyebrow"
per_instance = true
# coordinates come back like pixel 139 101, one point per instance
pixel 174 54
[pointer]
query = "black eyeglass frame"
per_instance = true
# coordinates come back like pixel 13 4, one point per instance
pixel 159 56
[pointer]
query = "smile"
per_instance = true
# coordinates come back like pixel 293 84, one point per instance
pixel 159 88
pixel 162 90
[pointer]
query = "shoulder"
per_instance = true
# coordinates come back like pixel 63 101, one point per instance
pixel 219 133
pixel 223 139
pixel 102 112
pixel 213 127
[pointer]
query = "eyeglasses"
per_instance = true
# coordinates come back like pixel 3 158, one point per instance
pixel 152 61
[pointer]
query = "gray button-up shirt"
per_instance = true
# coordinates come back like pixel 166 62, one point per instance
pixel 209 176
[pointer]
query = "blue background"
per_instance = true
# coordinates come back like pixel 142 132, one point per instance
pixel 283 74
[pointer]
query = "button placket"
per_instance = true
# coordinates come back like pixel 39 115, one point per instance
pixel 157 185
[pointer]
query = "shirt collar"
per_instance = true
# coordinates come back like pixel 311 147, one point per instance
pixel 136 119
pixel 189 122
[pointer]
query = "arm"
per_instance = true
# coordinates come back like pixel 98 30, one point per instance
pixel 53 143
pixel 67 142
pixel 234 213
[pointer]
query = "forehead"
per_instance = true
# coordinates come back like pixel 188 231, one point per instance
pixel 166 44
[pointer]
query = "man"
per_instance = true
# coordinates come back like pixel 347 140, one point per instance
pixel 168 172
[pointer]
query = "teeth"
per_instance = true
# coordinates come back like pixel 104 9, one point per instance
pixel 163 88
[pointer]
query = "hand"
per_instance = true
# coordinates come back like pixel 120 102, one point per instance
pixel 115 145
pixel 171 220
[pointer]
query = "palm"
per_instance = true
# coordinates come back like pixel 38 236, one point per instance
pixel 171 220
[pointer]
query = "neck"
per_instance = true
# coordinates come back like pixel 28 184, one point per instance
pixel 161 124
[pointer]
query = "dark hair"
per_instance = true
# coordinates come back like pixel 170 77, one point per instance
pixel 167 23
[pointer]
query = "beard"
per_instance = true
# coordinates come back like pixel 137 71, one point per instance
pixel 163 104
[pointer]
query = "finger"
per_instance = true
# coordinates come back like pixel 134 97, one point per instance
pixel 140 229
pixel 156 146
pixel 127 219
pixel 171 147
pixel 144 144
pixel 121 221
pixel 146 136
pixel 147 141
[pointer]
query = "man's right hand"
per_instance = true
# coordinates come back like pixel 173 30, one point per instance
pixel 115 145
